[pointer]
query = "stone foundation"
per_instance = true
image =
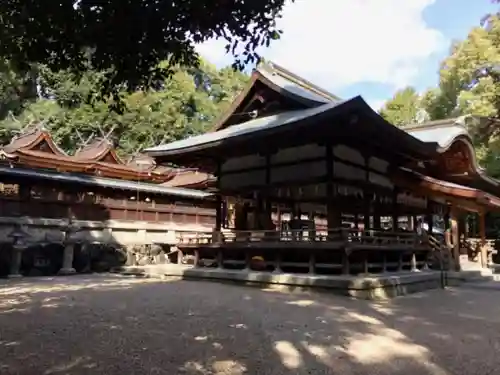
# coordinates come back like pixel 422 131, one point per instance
pixel 365 287
pixel 96 246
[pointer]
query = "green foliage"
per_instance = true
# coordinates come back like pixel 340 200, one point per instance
pixel 403 108
pixel 184 105
pixel 470 79
pixel 128 39
pixel 469 84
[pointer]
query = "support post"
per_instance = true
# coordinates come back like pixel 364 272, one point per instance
pixel 312 263
pixel 333 216
pixel 180 256
pixel 277 263
pixel 413 262
pixel 395 207
pixel 430 223
pixel 218 213
pixel 68 254
pixel 482 233
pixel 248 259
pixel 220 259
pixel 384 262
pixel 455 240
pixel 365 263
pixel 15 262
pixel 346 267
pixel 411 223
pixel 366 209
pixel 196 262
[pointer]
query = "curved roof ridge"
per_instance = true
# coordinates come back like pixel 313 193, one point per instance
pixel 288 75
pixel 30 138
pixel 96 150
pixel 434 124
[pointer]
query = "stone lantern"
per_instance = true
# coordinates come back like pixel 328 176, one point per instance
pixel 19 243
pixel 69 230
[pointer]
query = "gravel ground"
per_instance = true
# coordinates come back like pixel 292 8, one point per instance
pixel 112 325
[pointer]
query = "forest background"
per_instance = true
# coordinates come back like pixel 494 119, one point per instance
pixel 190 100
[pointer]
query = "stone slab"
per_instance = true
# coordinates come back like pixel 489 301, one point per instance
pixel 365 287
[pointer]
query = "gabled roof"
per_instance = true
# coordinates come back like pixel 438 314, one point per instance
pixel 102 182
pixel 454 131
pixel 444 132
pixel 36 148
pixel 446 189
pixel 100 150
pixel 35 138
pixel 365 122
pixel 294 86
pixel 191 179
pixel 280 81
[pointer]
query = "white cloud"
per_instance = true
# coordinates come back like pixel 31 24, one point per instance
pixel 376 104
pixel 336 43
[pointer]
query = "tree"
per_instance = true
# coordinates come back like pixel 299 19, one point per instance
pixel 403 108
pixel 470 85
pixel 184 105
pixel 128 39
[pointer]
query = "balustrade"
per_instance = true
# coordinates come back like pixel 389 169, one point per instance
pixel 338 250
pixel 351 237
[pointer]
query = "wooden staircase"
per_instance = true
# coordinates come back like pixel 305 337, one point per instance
pixel 440 255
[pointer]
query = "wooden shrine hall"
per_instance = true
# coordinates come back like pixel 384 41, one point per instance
pixel 54 205
pixel 307 182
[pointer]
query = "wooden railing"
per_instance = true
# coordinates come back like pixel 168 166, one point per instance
pixel 440 258
pixel 350 236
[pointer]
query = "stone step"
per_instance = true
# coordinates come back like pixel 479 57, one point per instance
pixel 474 276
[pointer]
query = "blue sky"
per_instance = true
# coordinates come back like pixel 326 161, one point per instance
pixel 367 47
pixel 454 19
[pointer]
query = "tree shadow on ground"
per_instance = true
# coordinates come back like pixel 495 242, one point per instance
pixel 115 325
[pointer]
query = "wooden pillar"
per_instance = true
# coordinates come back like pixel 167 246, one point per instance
pixel 218 201
pixel 429 218
pixel 220 259
pixel 312 262
pixel 411 222
pixel 218 213
pixel 248 259
pixel 346 267
pixel 447 229
pixel 455 239
pixel 395 208
pixel 400 261
pixel 482 234
pixel 277 262
pixel 356 221
pixel 413 262
pixel 367 197
pixel 196 262
pixel 333 216
pixel 376 215
pixel 365 262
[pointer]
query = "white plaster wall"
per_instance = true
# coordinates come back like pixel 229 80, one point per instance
pixel 112 231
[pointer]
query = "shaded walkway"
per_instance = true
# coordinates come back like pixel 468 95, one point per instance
pixel 112 325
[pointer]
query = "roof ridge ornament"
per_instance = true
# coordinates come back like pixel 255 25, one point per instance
pixel 106 136
pixel 85 142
